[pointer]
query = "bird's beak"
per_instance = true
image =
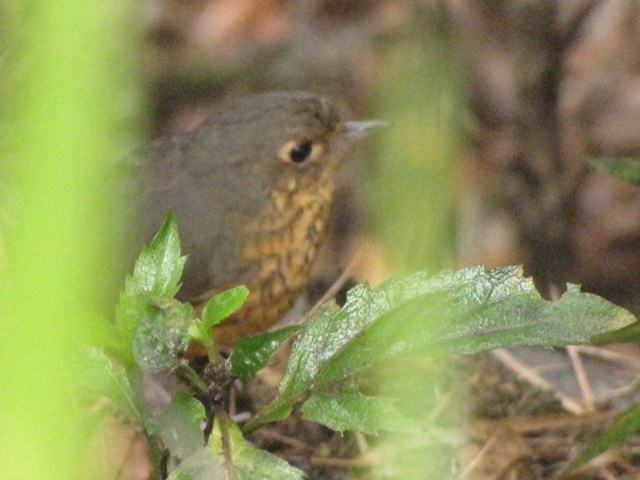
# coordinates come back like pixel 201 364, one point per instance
pixel 358 130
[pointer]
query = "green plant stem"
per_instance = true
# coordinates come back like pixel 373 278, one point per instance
pixel 212 352
pixel 191 376
pixel 224 440
pixel 156 454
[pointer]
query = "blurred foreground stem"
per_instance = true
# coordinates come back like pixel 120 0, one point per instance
pixel 66 79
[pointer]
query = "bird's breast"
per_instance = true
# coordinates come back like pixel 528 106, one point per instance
pixel 281 243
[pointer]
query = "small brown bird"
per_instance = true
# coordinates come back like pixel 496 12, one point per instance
pixel 251 189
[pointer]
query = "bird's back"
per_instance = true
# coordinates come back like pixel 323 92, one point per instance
pixel 204 204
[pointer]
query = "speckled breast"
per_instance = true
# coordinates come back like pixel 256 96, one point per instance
pixel 282 244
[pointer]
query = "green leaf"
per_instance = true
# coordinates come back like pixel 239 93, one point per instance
pixel 481 311
pixel 223 305
pixel 246 462
pixel 461 312
pixel 252 353
pixel 131 309
pixel 625 168
pixel 156 274
pixel 201 465
pixel 319 340
pixel 159 266
pixel 355 412
pixel 105 332
pixel 181 424
pixel 161 335
pixel 630 333
pixel 216 310
pixel 102 378
pixel 623 426
pixel 92 422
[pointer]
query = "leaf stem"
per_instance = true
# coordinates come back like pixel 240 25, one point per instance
pixel 212 352
pixel 192 377
pixel 157 457
pixel 226 445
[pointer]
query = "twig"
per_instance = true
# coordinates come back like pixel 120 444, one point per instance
pixel 478 458
pixel 533 378
pixel 361 441
pixel 340 462
pixel 578 366
pixel 623 391
pixel 123 464
pixel 538 424
pixel 440 406
pixel 581 376
pixel 284 439
pixel 550 367
pixel 232 400
pixel 335 287
pixel 609 355
pixel 570 28
pixel 606 474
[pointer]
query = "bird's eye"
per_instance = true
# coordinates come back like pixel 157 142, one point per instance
pixel 299 152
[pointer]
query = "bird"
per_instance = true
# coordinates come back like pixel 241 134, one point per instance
pixel 251 189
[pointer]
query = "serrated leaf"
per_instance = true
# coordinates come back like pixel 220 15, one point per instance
pixel 245 461
pixel 159 266
pixel 492 309
pixel 463 312
pixel 355 412
pixel 318 341
pixel 622 427
pixel 156 274
pixel 252 353
pixel 161 335
pixel 102 378
pixel 181 425
pixel 625 168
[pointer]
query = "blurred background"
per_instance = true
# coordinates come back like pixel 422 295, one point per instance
pixel 494 109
